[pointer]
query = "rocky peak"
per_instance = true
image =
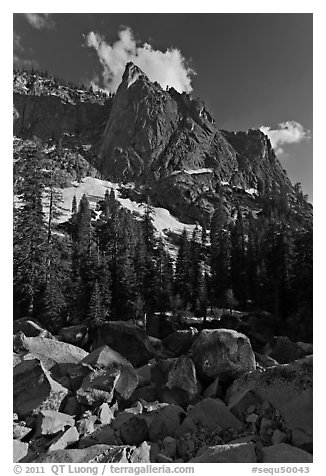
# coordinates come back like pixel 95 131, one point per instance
pixel 131 74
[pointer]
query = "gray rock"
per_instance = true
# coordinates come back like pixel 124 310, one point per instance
pixel 222 353
pixel 68 438
pixel 20 450
pixel 288 388
pixel 165 422
pixel 98 387
pixel 127 339
pixel 44 348
pixel 236 453
pixel 34 389
pixel 212 413
pixel 134 430
pixel 50 422
pixel 102 435
pixel 283 453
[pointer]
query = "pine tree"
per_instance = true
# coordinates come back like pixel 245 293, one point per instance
pixel 183 278
pixel 238 264
pixel 30 237
pixel 220 255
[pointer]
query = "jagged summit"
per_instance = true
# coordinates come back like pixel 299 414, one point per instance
pixel 131 73
pixel 161 139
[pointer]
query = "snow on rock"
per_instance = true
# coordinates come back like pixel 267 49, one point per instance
pixel 252 191
pixel 95 190
pixel 199 171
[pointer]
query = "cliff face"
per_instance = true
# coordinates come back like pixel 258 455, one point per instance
pixel 170 143
pixel 47 109
pixel 166 142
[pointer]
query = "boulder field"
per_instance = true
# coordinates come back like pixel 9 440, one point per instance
pixel 198 396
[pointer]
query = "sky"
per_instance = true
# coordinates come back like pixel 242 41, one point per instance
pixel 252 70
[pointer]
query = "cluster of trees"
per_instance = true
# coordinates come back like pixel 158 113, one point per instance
pixel 115 267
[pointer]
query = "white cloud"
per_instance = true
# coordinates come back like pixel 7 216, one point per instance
pixel 168 68
pixel 289 132
pixel 39 20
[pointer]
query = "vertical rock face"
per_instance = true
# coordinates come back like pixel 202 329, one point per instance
pixel 170 142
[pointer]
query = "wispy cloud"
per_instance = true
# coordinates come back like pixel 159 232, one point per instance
pixel 39 20
pixel 289 132
pixel 168 68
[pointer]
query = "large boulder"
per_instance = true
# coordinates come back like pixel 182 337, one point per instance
pixel 211 414
pixel 127 339
pixel 48 349
pixel 106 358
pixel 34 389
pixel 30 328
pixel 179 342
pixel 283 453
pixel 222 353
pixel 288 388
pixel 232 453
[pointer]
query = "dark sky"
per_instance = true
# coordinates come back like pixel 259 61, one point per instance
pixel 252 69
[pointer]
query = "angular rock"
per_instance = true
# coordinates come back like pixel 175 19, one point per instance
pixel 134 431
pixel 283 453
pixel 50 422
pixel 20 431
pixel 102 435
pixel 222 353
pixel 16 359
pixel 176 374
pixel 127 339
pixel 141 454
pixel 98 387
pixel 236 453
pixel 145 374
pixel 288 388
pixel 179 342
pixel 212 413
pixel 212 389
pixel 106 358
pixel 34 389
pixel 44 348
pixel 105 414
pixel 165 422
pixel 68 438
pixel 20 450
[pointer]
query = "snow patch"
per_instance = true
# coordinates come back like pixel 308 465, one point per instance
pixel 252 191
pixel 199 171
pixel 95 190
